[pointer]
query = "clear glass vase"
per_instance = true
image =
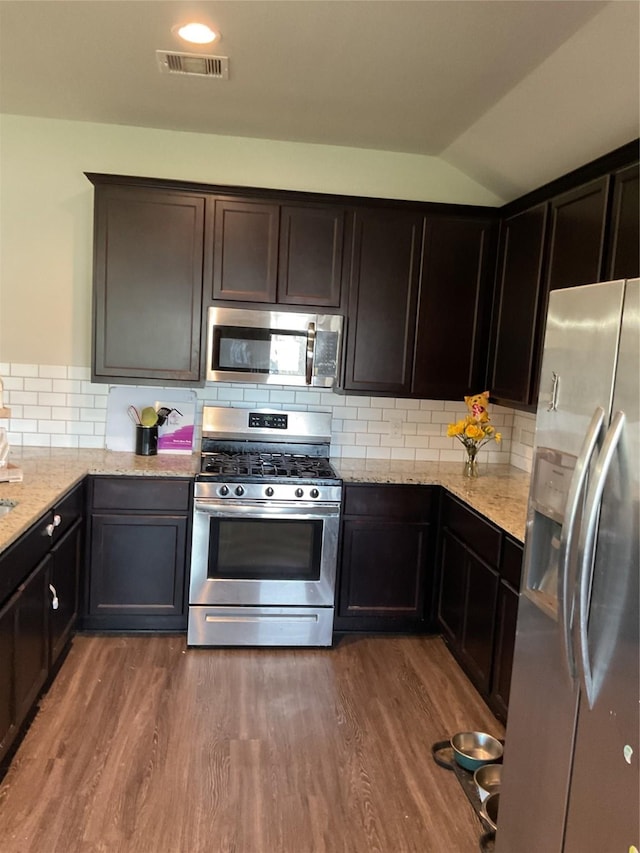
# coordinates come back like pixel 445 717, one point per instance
pixel 470 464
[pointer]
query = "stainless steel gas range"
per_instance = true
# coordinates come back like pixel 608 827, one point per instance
pixel 265 530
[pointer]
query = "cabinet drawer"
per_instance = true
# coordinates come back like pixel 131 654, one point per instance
pixel 481 536
pixel 70 509
pixel 409 503
pixel 21 558
pixel 511 564
pixel 141 493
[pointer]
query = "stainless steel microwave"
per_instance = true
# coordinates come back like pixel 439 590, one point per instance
pixel 274 347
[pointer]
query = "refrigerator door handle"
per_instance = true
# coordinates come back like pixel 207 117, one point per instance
pixel 553 402
pixel 586 550
pixel 568 539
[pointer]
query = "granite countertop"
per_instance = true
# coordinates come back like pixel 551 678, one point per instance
pixel 500 493
pixel 48 473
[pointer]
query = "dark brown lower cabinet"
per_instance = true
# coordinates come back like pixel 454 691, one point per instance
pixel 32 638
pixel 452 595
pixel 7 688
pixel 65 586
pixel 385 578
pixel 24 652
pixel 39 576
pixel 507 616
pixel 139 536
pixel 505 633
pixel 477 600
pixel 467 607
pixel 479 621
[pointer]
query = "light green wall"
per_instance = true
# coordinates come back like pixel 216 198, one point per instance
pixel 46 207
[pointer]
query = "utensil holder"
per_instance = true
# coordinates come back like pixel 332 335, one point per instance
pixel 146 440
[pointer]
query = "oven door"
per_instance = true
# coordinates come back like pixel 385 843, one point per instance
pixel 260 553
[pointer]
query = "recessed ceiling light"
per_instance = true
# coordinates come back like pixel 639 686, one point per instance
pixel 197 33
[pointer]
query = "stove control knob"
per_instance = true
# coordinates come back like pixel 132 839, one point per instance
pixel 223 490
pixel 314 493
pixel 299 493
pixel 269 492
pixel 239 491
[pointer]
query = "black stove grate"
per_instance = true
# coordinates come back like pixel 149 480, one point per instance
pixel 263 464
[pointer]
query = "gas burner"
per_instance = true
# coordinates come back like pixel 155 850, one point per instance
pixel 258 465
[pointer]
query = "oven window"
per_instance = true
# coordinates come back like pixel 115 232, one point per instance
pixel 259 351
pixel 264 549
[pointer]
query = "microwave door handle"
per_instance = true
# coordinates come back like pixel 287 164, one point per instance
pixel 311 346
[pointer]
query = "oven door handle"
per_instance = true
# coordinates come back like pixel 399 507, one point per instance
pixel 301 510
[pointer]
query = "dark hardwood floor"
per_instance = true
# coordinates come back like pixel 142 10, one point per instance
pixel 143 746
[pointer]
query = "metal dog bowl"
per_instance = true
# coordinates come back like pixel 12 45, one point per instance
pixel 473 749
pixel 489 810
pixel 487 779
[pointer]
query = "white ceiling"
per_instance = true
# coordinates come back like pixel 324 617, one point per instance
pixel 512 93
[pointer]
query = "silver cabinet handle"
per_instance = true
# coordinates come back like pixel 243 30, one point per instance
pixel 586 549
pixel 568 539
pixel 55 603
pixel 57 520
pixel 311 345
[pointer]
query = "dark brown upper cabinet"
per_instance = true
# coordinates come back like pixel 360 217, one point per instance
pixel 417 314
pixel 577 223
pixel 148 275
pixel 278 254
pixel 580 229
pixel 245 250
pixel 517 316
pixel 310 255
pixel 624 253
pixel 385 273
pixel 451 335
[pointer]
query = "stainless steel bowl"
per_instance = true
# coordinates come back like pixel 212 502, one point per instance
pixel 489 810
pixel 487 779
pixel 473 749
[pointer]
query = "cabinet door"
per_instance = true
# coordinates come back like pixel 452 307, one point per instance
pixel 577 235
pixel 452 585
pixel 479 620
pixel 245 250
pixel 507 617
pixel 451 339
pixel 384 281
pixel 137 574
pixel 310 255
pixel 7 691
pixel 624 254
pixel 31 638
pixel 148 272
pixel 65 580
pixel 518 297
pixel 383 569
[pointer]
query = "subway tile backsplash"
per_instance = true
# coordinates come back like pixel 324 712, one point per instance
pixel 58 406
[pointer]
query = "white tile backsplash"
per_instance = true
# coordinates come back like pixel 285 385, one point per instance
pixel 58 406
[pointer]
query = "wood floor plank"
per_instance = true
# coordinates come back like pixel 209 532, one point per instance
pixel 144 746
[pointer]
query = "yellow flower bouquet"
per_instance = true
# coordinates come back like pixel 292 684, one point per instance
pixel 474 431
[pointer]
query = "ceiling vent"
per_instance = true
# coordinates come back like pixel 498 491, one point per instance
pixel 172 62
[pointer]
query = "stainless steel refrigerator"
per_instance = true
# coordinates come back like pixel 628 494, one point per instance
pixel 571 764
